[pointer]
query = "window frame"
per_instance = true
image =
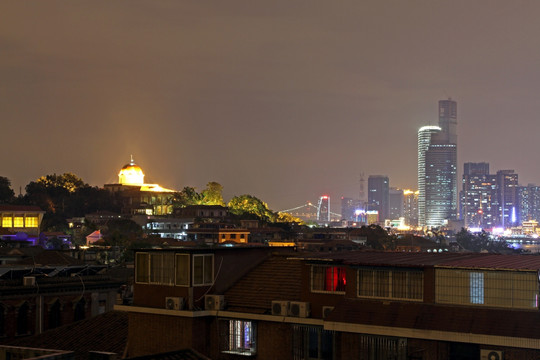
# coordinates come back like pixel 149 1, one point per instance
pixel 138 265
pixel 204 275
pixel 314 283
pixel 383 284
pixel 186 266
pixel 235 337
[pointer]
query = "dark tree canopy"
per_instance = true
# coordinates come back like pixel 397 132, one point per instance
pixel 377 237
pixel 65 196
pixel 6 192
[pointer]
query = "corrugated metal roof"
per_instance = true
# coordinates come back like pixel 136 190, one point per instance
pixel 460 260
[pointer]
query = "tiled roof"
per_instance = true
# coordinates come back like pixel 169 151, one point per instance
pixel 462 260
pixel 50 258
pixel 475 320
pixel 278 278
pixel 106 333
pixel 19 208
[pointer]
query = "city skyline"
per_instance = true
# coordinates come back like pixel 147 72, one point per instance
pixel 285 102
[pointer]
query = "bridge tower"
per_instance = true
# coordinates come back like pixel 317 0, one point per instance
pixel 323 208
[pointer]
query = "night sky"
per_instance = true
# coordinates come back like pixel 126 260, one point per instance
pixel 284 100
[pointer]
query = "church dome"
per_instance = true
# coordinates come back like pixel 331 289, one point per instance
pixel 131 174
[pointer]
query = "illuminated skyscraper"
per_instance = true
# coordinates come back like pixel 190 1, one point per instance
pixel 507 182
pixel 410 207
pixel 480 207
pixel 378 195
pixel 424 142
pixel 396 202
pixel 437 168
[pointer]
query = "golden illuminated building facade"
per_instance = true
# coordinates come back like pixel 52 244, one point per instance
pixel 136 196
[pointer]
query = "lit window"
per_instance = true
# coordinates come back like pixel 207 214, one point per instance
pixel 328 278
pixel 7 221
pixel 32 222
pixel 203 269
pixel 239 337
pixel 476 287
pixel 18 221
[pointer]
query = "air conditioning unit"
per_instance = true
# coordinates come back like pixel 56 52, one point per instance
pixel 299 309
pixel 326 310
pixel 29 281
pixel 280 308
pixel 486 354
pixel 214 302
pixel 174 303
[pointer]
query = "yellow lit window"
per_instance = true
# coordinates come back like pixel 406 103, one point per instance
pixel 18 221
pixel 7 222
pixel 32 221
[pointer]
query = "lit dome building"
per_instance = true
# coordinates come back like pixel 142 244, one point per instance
pixel 131 174
pixel 136 196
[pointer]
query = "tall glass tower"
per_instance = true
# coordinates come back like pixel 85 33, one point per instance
pixel 424 142
pixel 437 168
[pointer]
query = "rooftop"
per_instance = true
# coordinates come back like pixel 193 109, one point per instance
pixel 405 259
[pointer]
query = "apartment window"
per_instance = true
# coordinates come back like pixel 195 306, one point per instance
pixel 312 342
pixel 381 347
pixel 391 284
pixel 328 278
pixel 238 337
pixel 18 221
pixel 508 289
pixel 182 269
pixel 7 221
pixel 162 268
pixel 203 269
pixel 155 268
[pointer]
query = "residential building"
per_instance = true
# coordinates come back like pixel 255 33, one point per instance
pixel 50 289
pixel 230 302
